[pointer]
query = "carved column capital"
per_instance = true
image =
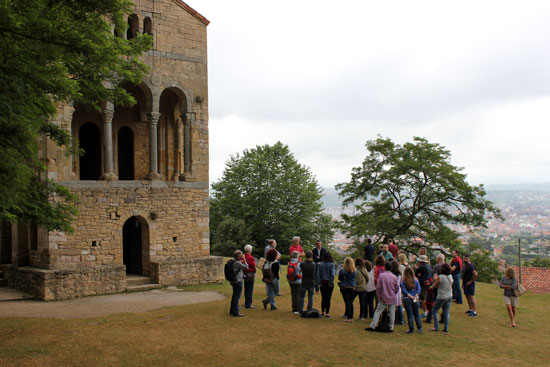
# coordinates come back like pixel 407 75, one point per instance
pixel 153 117
pixel 107 116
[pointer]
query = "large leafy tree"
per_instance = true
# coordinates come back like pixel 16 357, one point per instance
pixel 412 190
pixel 273 195
pixel 54 51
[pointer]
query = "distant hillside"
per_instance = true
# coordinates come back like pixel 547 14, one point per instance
pixel 538 187
pixel 528 194
pixel 331 198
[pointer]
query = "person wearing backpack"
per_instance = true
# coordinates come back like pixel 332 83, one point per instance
pixel 238 265
pixel 270 275
pixel 294 276
pixel 386 291
pixel 309 281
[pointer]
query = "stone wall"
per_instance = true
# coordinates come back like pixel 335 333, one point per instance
pixel 179 229
pixel 52 285
pixel 188 271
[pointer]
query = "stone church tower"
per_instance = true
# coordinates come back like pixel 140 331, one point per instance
pixel 142 184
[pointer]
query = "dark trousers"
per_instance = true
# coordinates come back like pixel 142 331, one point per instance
pixel 412 313
pixel 362 303
pixel 326 295
pixel 347 294
pixel 235 297
pixel 369 300
pixel 457 292
pixel 248 291
pixel 295 293
pixel 310 291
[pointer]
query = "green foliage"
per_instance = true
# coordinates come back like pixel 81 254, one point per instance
pixel 412 191
pixel 231 234
pixel 274 195
pixel 510 259
pixel 538 262
pixel 510 250
pixel 54 52
pixel 488 270
pixel 481 243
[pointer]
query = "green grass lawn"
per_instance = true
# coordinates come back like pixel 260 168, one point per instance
pixel 205 335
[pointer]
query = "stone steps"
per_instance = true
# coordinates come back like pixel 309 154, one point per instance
pixel 142 287
pixel 137 283
pixel 134 280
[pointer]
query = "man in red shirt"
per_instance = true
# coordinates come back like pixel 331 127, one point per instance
pixel 456 268
pixel 296 247
pixel 249 276
pixel 392 247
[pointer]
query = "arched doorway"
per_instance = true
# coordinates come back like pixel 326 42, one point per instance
pixel 132 238
pixel 90 162
pixel 5 242
pixel 125 154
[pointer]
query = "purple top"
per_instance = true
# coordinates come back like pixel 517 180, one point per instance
pixel 387 288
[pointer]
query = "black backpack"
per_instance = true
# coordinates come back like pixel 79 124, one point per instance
pixel 229 270
pixel 384 323
pixel 311 314
pixel 267 272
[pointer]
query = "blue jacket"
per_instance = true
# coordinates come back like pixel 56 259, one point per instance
pixel 414 292
pixel 325 271
pixel 347 280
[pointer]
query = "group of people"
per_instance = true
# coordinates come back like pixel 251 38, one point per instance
pixel 383 280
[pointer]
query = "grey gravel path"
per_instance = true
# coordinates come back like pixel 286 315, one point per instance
pixel 105 305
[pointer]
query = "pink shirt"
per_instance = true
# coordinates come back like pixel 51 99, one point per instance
pixel 387 288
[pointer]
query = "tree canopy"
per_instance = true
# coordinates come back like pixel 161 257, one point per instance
pixel 273 195
pixel 52 52
pixel 412 191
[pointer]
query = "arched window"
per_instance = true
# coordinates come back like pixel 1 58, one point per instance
pixel 133 25
pixel 90 142
pixel 147 26
pixel 125 154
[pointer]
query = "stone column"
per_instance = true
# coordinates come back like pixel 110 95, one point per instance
pixel 153 174
pixel 179 149
pixel 189 121
pixel 108 171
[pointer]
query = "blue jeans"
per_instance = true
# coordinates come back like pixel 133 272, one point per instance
pixel 446 304
pixel 412 313
pixel 248 292
pixel 362 303
pixel 270 288
pixel 277 287
pixel 237 290
pixel 310 291
pixel 457 292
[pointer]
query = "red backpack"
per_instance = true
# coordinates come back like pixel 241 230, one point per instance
pixel 293 272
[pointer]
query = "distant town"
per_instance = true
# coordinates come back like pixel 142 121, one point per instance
pixel 526 212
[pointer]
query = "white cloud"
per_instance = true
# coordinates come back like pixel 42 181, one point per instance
pixel 324 77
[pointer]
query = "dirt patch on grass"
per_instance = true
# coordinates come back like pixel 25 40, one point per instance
pixel 106 305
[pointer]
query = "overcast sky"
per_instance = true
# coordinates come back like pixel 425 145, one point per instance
pixel 324 77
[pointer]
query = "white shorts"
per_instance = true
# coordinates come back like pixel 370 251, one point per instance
pixel 514 301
